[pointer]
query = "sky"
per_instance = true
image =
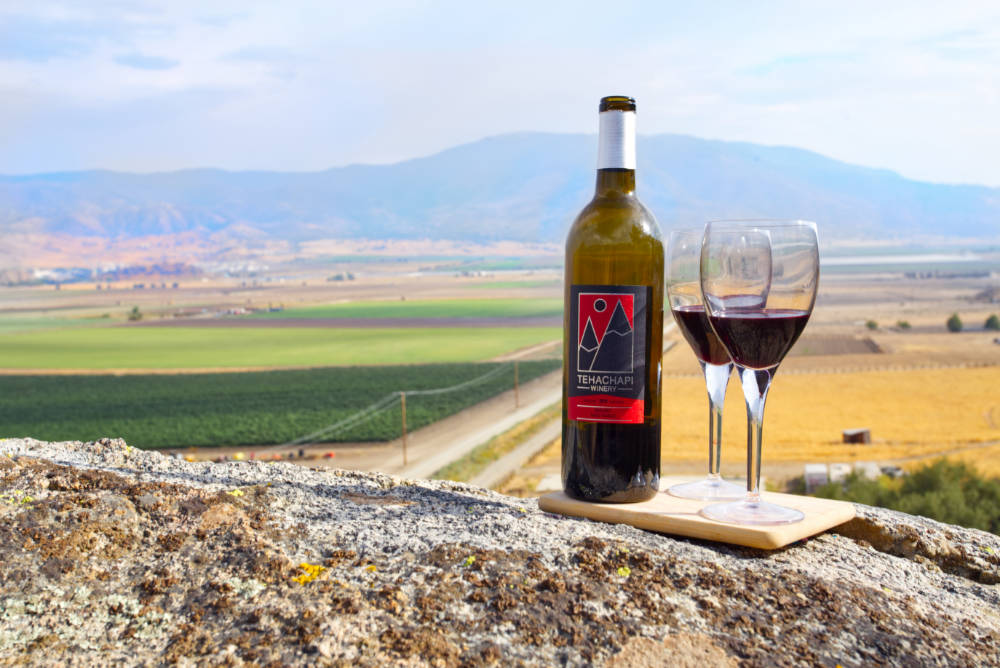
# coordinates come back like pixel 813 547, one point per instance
pixel 303 85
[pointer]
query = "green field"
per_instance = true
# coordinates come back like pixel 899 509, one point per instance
pixel 15 324
pixel 427 308
pixel 248 408
pixel 507 285
pixel 211 347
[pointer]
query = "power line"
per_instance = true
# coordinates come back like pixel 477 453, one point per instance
pixel 386 403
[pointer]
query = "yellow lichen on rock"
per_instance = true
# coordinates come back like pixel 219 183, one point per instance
pixel 310 573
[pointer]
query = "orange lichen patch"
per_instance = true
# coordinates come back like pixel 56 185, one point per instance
pixel 221 515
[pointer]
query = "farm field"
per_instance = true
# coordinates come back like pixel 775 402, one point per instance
pixel 13 325
pixel 518 285
pixel 918 412
pixel 841 375
pixel 246 408
pixel 985 459
pixel 392 285
pixel 916 417
pixel 430 308
pixel 193 347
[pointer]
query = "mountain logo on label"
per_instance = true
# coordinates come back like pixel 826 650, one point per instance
pixel 606 336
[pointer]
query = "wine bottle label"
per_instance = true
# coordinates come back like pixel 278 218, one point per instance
pixel 616 146
pixel 607 352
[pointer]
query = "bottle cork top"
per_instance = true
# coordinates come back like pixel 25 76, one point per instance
pixel 617 103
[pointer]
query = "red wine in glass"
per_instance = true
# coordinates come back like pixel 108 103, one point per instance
pixel 758 283
pixel 684 296
pixel 759 338
pixel 693 323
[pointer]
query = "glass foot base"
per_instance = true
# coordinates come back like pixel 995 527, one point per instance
pixel 756 512
pixel 709 490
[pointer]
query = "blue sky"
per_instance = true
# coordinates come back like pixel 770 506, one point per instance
pixel 296 85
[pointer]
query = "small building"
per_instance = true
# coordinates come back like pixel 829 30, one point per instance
pixel 839 472
pixel 857 436
pixel 815 476
pixel 893 471
pixel 869 470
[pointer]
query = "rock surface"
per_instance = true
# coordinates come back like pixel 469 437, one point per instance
pixel 113 555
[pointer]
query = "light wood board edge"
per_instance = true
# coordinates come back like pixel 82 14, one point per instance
pixel 821 515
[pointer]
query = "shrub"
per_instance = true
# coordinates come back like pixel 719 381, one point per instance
pixel 871 324
pixel 992 322
pixel 954 323
pixel 903 324
pixel 951 492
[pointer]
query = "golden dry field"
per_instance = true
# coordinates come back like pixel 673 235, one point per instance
pixel 922 391
pixel 915 417
pixel 985 459
pixel 910 413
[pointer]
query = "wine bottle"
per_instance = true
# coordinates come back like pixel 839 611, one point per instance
pixel 613 329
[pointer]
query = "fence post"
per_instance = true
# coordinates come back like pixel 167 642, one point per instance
pixel 402 403
pixel 517 398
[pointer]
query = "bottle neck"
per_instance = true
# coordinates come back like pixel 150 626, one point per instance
pixel 612 182
pixel 616 153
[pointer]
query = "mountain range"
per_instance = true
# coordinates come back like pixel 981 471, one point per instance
pixel 523 187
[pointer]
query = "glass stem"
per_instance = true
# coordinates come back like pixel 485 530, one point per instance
pixel 755 386
pixel 716 380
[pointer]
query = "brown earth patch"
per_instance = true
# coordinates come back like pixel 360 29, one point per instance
pixel 827 344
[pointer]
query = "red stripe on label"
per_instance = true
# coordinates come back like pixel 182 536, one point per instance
pixel 606 408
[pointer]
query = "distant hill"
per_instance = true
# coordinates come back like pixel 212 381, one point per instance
pixel 521 187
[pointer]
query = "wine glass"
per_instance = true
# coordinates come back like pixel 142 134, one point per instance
pixel 684 297
pixel 758 281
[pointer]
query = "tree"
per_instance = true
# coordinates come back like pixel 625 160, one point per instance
pixel 871 324
pixel 954 323
pixel 951 492
pixel 903 324
pixel 992 322
pixel 135 314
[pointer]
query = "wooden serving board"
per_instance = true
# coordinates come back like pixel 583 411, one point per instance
pixel 673 515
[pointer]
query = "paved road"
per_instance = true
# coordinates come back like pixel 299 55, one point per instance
pixel 495 474
pixel 427 463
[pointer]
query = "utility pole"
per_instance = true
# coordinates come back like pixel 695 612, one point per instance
pixel 517 397
pixel 402 403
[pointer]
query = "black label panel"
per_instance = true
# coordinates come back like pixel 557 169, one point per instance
pixel 607 352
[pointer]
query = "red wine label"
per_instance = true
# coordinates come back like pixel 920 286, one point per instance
pixel 607 353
